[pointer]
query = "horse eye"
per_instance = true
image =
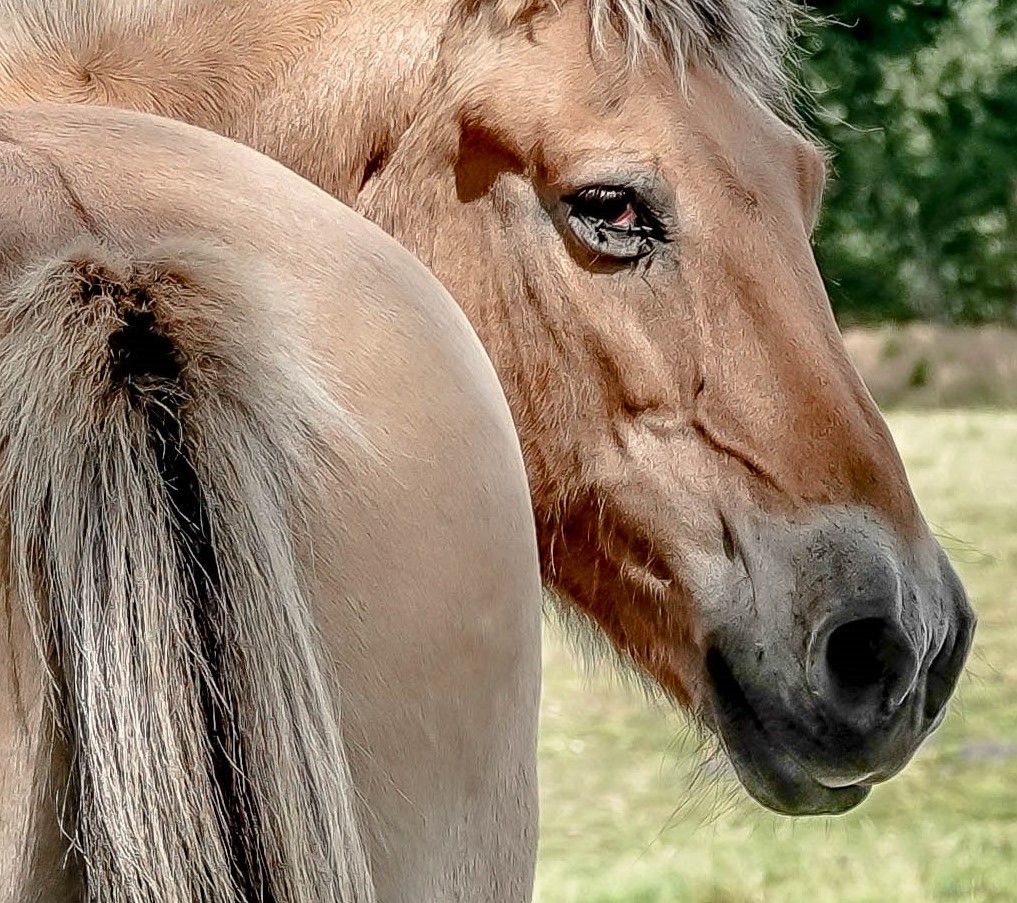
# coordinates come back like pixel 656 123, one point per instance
pixel 613 222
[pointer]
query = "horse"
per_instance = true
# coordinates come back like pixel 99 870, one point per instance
pixel 620 197
pixel 254 463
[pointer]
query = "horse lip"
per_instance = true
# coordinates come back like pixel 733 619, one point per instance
pixel 768 770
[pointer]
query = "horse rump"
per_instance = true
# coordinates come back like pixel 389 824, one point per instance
pixel 159 445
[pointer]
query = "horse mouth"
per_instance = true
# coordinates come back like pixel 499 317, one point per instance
pixel 767 768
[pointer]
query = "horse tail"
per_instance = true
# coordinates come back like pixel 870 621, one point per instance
pixel 159 446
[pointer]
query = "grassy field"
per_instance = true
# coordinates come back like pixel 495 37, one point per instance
pixel 631 812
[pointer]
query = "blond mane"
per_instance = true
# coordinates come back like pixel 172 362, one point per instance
pixel 79 43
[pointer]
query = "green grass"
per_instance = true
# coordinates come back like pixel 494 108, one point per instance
pixel 631 813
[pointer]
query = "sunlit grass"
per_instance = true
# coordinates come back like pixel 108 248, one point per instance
pixel 619 822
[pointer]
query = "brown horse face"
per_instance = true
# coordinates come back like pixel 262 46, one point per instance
pixel 713 485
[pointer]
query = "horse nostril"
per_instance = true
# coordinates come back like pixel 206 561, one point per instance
pixel 946 667
pixel 868 666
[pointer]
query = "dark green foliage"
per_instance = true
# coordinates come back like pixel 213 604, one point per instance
pixel 918 100
pixel 919 374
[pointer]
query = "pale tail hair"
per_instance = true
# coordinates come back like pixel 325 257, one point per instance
pixel 158 447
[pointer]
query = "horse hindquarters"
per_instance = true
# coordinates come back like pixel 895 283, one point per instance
pixel 155 455
pixel 425 586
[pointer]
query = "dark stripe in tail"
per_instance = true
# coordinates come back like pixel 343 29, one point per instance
pixel 147 366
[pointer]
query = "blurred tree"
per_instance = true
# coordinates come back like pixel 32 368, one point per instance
pixel 918 100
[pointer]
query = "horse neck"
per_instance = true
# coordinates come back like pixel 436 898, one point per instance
pixel 324 86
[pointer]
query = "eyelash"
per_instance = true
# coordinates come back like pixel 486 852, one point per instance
pixel 595 214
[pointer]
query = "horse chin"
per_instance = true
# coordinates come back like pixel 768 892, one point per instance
pixel 775 780
pixel 766 767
